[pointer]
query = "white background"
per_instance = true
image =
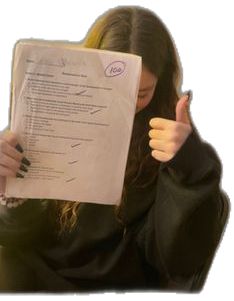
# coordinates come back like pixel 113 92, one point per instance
pixel 203 33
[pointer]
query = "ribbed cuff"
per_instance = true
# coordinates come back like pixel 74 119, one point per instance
pixel 11 202
pixel 192 160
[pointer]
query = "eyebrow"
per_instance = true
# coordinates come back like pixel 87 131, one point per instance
pixel 146 88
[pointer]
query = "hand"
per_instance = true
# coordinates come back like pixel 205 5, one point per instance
pixel 167 136
pixel 10 158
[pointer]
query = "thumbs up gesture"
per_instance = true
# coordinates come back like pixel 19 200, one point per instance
pixel 167 136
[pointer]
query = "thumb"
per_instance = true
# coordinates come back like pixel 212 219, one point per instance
pixel 182 106
pixel 9 137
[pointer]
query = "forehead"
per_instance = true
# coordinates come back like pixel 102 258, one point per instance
pixel 148 80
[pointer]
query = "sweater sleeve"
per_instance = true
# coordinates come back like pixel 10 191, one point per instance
pixel 183 226
pixel 23 225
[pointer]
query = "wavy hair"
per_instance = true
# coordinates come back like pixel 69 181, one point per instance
pixel 136 30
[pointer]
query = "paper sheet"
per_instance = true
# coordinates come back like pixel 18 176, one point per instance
pixel 73 110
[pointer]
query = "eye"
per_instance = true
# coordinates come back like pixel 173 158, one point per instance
pixel 142 96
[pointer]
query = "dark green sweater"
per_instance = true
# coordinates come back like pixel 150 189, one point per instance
pixel 170 233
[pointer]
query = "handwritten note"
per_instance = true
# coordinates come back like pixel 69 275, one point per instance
pixel 72 109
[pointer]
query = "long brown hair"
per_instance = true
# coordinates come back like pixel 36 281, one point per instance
pixel 136 30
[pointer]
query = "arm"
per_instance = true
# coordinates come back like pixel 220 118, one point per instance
pixel 184 225
pixel 24 224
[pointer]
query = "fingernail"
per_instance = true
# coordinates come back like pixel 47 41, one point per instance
pixel 18 175
pixel 25 161
pixel 189 94
pixel 23 168
pixel 19 148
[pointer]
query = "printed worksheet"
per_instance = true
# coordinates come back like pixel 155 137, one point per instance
pixel 72 109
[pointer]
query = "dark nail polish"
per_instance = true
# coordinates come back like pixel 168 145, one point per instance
pixel 189 93
pixel 19 148
pixel 26 161
pixel 23 168
pixel 18 175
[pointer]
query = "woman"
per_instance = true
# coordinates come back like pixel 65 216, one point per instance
pixel 164 233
